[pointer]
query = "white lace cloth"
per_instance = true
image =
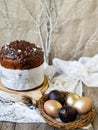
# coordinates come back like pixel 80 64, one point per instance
pixel 62 75
pixel 18 112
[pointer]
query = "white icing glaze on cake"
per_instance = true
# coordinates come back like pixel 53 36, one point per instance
pixel 22 79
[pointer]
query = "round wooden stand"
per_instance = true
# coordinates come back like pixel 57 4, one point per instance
pixel 34 94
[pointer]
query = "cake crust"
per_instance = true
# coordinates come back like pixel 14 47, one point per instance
pixel 21 55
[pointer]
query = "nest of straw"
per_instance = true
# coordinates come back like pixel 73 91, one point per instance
pixel 84 120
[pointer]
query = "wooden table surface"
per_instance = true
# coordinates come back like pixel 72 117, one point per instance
pixel 91 92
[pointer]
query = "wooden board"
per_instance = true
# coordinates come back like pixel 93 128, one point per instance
pixel 33 94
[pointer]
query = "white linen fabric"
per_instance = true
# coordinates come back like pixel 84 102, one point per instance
pixel 71 74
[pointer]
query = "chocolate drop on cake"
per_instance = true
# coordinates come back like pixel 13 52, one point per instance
pixel 21 55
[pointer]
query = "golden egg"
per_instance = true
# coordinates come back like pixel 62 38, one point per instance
pixel 83 105
pixel 71 97
pixel 52 107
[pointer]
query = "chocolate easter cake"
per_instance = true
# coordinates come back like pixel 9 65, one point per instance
pixel 21 65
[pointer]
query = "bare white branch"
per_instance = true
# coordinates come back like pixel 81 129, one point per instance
pixel 40 35
pixel 81 47
pixel 47 22
pixel 92 39
pixel 6 23
pixel 28 12
pixel 73 16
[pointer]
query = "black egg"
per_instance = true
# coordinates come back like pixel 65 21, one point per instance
pixel 56 95
pixel 67 114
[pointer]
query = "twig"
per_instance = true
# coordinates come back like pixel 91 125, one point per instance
pixel 88 44
pixel 40 35
pixel 28 12
pixel 6 23
pixel 37 23
pixel 73 16
pixel 92 39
